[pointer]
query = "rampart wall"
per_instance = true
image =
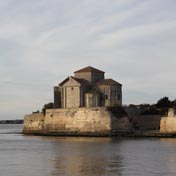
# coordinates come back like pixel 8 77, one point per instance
pixel 75 121
pixel 168 124
pixel 33 123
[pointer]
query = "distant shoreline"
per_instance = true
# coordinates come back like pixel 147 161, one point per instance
pixel 17 121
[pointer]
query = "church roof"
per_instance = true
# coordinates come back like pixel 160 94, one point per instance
pixel 89 69
pixel 64 81
pixel 109 82
pixel 79 80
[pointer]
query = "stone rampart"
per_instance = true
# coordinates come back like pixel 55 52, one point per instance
pixel 168 124
pixel 33 123
pixel 75 121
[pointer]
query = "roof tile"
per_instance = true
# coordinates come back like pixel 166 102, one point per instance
pixel 89 69
pixel 79 80
pixel 108 82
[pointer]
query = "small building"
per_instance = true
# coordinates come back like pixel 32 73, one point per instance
pixel 87 88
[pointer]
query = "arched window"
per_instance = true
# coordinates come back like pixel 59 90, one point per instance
pixel 119 96
pixel 106 96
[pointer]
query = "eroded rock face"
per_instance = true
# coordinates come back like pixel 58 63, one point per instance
pixel 75 121
pixel 168 124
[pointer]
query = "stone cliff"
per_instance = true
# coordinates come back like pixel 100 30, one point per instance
pixel 75 121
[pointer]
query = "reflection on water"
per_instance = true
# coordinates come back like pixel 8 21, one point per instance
pixel 168 140
pixel 86 156
pixel 68 156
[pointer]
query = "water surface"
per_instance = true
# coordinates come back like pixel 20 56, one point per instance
pixel 78 156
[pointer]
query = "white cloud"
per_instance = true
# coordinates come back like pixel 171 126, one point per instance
pixel 135 33
pixel 41 42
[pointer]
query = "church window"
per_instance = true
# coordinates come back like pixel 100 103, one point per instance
pixel 118 97
pixel 106 96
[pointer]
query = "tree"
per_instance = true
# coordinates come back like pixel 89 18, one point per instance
pixel 163 103
pixel 173 103
pixel 47 106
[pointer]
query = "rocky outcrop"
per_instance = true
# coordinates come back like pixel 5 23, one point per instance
pixel 75 121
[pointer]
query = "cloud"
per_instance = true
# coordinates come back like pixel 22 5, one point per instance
pixel 42 42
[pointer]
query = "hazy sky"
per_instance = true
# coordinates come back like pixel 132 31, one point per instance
pixel 44 41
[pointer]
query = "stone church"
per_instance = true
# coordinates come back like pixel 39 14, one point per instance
pixel 87 88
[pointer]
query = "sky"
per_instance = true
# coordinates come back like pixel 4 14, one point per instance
pixel 44 41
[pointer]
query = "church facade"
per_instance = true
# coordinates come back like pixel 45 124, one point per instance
pixel 87 88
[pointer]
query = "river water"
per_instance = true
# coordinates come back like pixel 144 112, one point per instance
pixel 84 156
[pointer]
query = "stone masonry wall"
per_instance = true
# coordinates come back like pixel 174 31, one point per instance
pixel 33 123
pixel 81 121
pixel 168 124
pixel 71 94
pixel 77 120
pixel 83 75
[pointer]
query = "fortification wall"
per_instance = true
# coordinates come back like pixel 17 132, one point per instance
pixel 146 122
pixel 33 123
pixel 76 121
pixel 168 124
pixel 143 122
pixel 82 120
